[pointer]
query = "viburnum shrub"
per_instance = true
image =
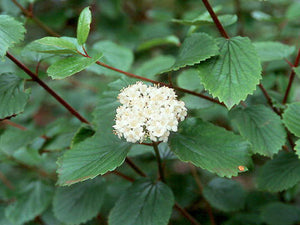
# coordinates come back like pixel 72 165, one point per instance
pixel 157 112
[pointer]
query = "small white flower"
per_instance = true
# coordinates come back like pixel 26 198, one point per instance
pixel 148 112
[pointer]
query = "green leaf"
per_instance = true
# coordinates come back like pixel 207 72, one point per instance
pixel 280 214
pixel 271 50
pixel 291 118
pixel 113 55
pixel 224 194
pixel 280 173
pixel 297 71
pixel 168 40
pixel 261 127
pixel 101 153
pixel 210 147
pixel 13 139
pixel 80 202
pixel 31 201
pixel 11 33
pixel 154 66
pixel 83 27
pixel 195 48
pixel 71 65
pixel 96 155
pixel 54 45
pixel 225 20
pixel 234 74
pixel 12 96
pixel 144 203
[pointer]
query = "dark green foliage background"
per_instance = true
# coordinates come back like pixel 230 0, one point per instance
pixel 234 160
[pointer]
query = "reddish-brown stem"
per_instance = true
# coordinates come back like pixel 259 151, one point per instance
pixel 160 83
pixel 30 15
pixel 215 19
pixel 84 50
pixel 269 100
pixel 154 81
pixel 288 62
pixel 135 167
pixel 6 182
pixel 186 214
pixel 292 77
pixel 47 88
pixel 37 68
pixel 159 164
pixel 124 176
pixel 8 122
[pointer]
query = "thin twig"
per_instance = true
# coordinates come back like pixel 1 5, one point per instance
pixel 215 19
pixel 30 15
pixel 8 122
pixel 292 76
pixel 124 176
pixel 186 214
pixel 269 100
pixel 47 88
pixel 135 167
pixel 159 164
pixel 160 83
pixel 6 182
pixel 154 81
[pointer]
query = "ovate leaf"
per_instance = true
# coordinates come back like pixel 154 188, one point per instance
pixel 291 118
pixel 144 203
pixel 280 214
pixel 54 45
pixel 83 27
pixel 80 202
pixel 280 173
pixel 235 73
pixel 12 96
pixel 96 155
pixel 210 147
pixel 71 65
pixel 261 127
pixel 31 201
pixel 11 33
pixel 196 48
pixel 224 194
pixel 270 51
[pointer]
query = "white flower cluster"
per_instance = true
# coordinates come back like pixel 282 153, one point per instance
pixel 148 112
